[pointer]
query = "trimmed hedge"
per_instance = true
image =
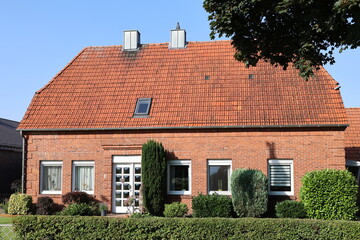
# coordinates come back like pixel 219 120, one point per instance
pixel 57 227
pixel 175 209
pixel 212 206
pixel 290 209
pixel 329 194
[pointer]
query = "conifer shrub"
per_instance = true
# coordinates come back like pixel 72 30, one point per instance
pixel 19 204
pixel 212 206
pixel 329 194
pixel 249 192
pixel 290 209
pixel 45 206
pixel 153 164
pixel 175 209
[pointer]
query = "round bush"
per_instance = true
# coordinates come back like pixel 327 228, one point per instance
pixel 77 197
pixel 19 204
pixel 175 209
pixel 78 209
pixel 290 209
pixel 249 192
pixel 329 194
pixel 44 206
pixel 212 206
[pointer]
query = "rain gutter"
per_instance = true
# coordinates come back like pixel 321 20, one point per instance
pixel 189 127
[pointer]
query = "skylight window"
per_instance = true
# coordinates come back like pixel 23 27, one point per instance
pixel 142 106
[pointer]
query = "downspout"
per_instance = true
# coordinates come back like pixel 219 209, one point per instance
pixel 23 163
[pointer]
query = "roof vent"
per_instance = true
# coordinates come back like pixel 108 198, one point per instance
pixel 131 40
pixel 177 37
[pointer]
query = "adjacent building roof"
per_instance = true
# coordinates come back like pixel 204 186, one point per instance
pixel 199 86
pixel 352 135
pixel 10 139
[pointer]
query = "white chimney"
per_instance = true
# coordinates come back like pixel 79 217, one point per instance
pixel 178 37
pixel 131 40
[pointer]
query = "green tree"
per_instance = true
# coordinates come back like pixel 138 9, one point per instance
pixel 302 32
pixel 153 177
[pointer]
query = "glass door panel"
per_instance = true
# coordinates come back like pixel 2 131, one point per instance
pixel 127 185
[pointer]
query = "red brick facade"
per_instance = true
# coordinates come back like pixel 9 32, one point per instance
pixel 310 149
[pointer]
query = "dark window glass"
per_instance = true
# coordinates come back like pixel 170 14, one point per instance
pixel 179 178
pixel 143 108
pixel 219 178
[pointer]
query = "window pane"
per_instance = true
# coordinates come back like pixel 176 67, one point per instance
pixel 179 178
pixel 84 178
pixel 142 107
pixel 280 178
pixel 51 178
pixel 219 178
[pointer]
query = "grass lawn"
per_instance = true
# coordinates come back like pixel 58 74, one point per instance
pixel 6 232
pixel 5 220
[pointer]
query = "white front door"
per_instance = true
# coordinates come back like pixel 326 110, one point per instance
pixel 126 183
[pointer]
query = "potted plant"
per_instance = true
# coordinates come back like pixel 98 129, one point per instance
pixel 103 209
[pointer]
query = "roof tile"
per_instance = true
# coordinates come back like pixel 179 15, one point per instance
pixel 100 86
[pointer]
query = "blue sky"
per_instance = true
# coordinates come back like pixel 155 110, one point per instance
pixel 38 38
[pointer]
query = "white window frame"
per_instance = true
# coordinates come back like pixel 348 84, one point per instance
pixel 178 163
pixel 82 164
pixel 219 162
pixel 50 164
pixel 352 163
pixel 282 162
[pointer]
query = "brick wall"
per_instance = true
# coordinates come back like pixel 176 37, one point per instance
pixel 313 149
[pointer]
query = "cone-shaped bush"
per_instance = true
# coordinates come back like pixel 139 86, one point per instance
pixel 249 192
pixel 329 194
pixel 153 177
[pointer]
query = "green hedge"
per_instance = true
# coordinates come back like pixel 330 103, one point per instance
pixel 58 227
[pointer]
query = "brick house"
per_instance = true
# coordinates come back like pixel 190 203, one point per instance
pixel 85 128
pixel 352 143
pixel 10 156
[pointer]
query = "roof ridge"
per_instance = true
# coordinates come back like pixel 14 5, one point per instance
pixel 162 43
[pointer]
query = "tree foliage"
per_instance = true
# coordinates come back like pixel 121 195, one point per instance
pixel 153 177
pixel 302 32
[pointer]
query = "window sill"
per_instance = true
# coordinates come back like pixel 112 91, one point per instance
pixel 179 193
pixel 51 192
pixel 228 193
pixel 281 193
pixel 88 192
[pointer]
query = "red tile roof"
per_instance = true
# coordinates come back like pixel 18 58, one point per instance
pixel 352 135
pixel 100 87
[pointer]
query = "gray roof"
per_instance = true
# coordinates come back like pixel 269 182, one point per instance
pixel 10 139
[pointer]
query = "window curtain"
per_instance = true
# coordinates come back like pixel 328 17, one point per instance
pixel 52 178
pixel 84 178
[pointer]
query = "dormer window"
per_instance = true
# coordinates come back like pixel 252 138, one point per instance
pixel 142 107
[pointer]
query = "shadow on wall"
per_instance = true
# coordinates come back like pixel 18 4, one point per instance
pixel 272 150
